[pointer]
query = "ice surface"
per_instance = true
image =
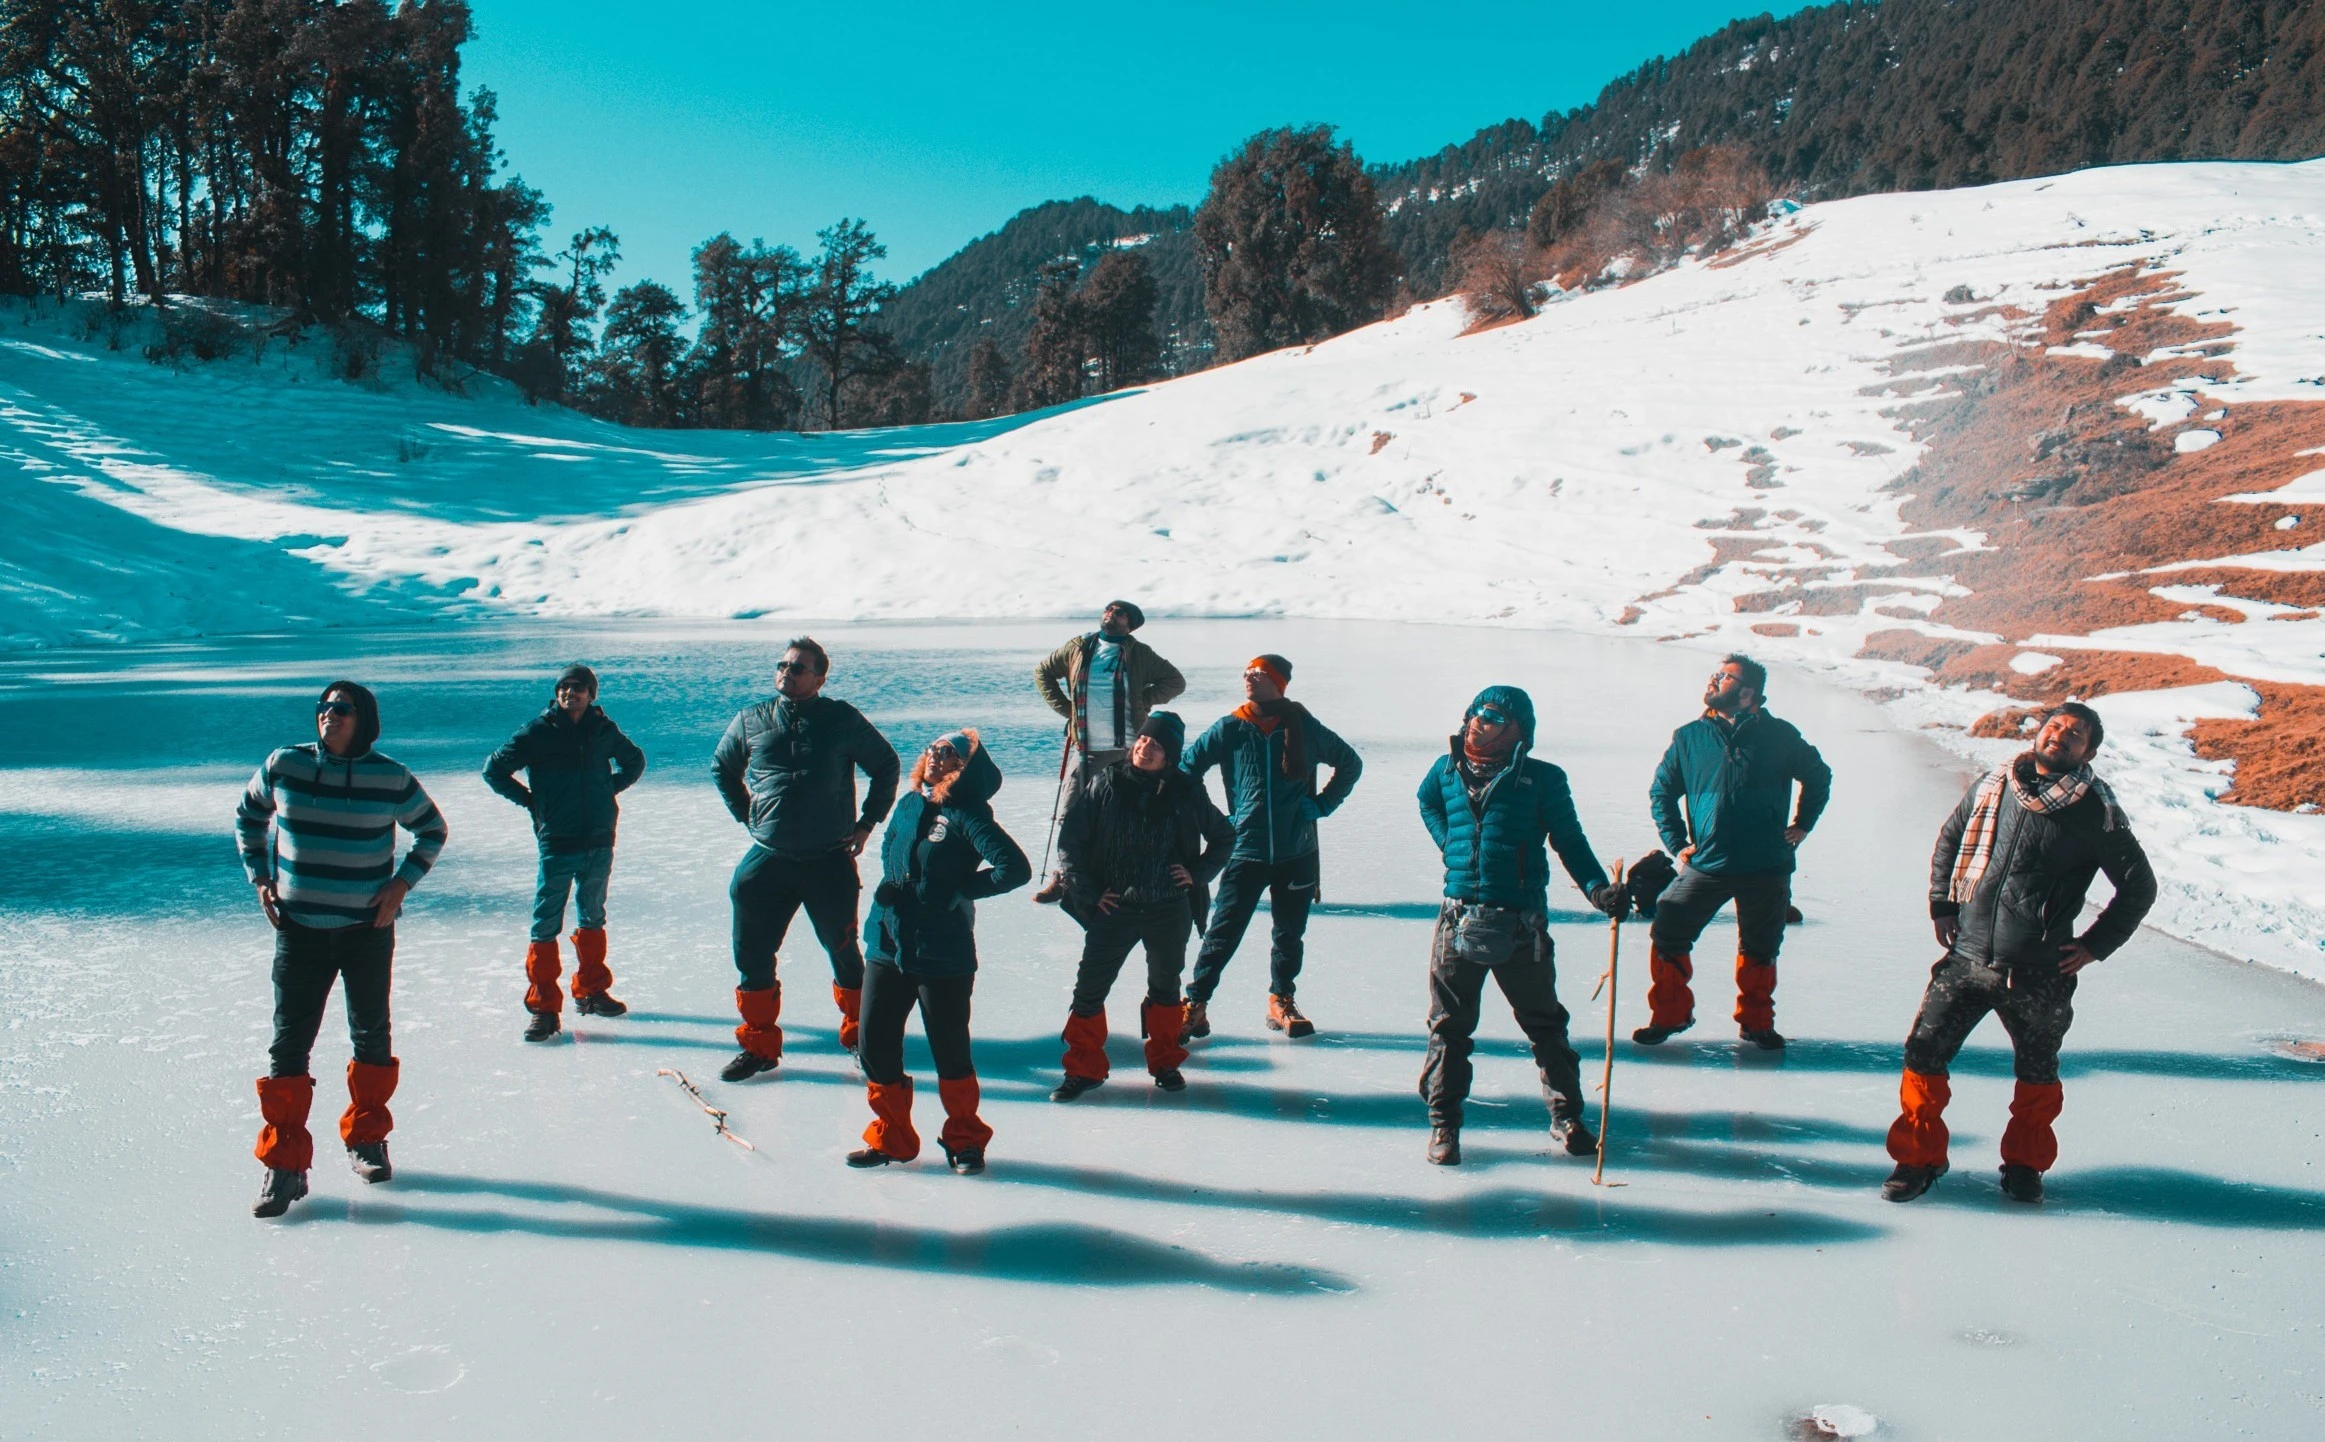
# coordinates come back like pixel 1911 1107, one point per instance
pixel 570 1250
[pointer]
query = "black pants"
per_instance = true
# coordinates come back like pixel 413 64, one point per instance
pixel 889 996
pixel 306 959
pixel 1291 890
pixel 1688 906
pixel 768 891
pixel 1161 926
pixel 1528 978
pixel 2036 1014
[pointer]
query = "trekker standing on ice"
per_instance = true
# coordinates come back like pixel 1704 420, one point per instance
pixel 1141 841
pixel 317 830
pixel 1734 768
pixel 1490 805
pixel 787 770
pixel 2006 885
pixel 576 761
pixel 1105 684
pixel 943 853
pixel 1267 751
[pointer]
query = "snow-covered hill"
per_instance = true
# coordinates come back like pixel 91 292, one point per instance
pixel 1634 460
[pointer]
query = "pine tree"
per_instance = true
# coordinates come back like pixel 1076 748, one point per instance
pixel 752 300
pixel 1117 313
pixel 989 381
pixel 842 298
pixel 1290 242
pixel 564 310
pixel 636 379
pixel 1054 349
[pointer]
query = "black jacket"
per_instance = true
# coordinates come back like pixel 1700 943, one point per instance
pixel 2026 905
pixel 788 771
pixel 1127 828
pixel 936 862
pixel 576 768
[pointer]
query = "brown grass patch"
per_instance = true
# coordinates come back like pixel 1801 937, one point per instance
pixel 2079 676
pixel 2279 756
pixel 1774 628
pixel 1379 439
pixel 2283 588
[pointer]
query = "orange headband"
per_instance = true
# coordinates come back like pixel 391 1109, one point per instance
pixel 1262 664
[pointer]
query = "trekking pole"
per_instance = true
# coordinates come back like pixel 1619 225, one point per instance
pixel 1606 1078
pixel 1057 802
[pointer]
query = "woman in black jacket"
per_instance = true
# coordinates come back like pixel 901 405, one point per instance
pixel 943 851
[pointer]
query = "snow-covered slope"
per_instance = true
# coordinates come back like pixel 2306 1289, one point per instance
pixel 1601 466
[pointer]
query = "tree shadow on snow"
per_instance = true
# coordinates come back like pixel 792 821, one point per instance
pixel 1498 1213
pixel 2161 1194
pixel 1057 1253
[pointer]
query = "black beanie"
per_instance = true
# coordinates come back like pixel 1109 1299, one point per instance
pixel 1167 728
pixel 578 672
pixel 1130 608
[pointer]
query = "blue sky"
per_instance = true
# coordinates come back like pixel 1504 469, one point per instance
pixel 936 123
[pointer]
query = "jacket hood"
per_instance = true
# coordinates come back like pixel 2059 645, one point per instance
pixel 1514 703
pixel 979 778
pixel 366 713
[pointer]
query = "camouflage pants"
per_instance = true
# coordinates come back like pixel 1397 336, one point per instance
pixel 1961 992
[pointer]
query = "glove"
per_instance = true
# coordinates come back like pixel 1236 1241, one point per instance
pixel 890 895
pixel 1611 899
pixel 1650 877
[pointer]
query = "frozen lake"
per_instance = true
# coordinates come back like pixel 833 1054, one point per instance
pixel 568 1247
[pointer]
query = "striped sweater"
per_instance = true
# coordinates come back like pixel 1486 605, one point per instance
pixel 333 826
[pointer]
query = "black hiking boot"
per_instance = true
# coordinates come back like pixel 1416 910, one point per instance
pixel 1572 1134
pixel 968 1161
pixel 600 1003
pixel 2021 1184
pixel 1171 1081
pixel 1910 1181
pixel 1657 1035
pixel 747 1064
pixel 543 1026
pixel 1766 1038
pixel 1073 1086
pixel 1445 1146
pixel 370 1161
pixel 278 1191
pixel 1196 1021
pixel 870 1157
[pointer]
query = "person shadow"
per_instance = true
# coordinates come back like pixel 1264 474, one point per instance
pixel 1052 1253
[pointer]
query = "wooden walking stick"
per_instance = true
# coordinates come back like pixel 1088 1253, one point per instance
pixel 1606 1079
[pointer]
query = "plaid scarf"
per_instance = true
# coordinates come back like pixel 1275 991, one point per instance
pixel 2048 795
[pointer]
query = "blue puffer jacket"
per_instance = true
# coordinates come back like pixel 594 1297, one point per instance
pixel 1274 815
pixel 1493 847
pixel 1736 777
pixel 936 862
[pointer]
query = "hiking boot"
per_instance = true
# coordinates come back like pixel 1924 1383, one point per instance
pixel 543 1026
pixel 869 1157
pixel 1910 1181
pixel 968 1161
pixel 1195 1021
pixel 1284 1017
pixel 278 1191
pixel 747 1064
pixel 1792 916
pixel 1053 892
pixel 1766 1038
pixel 2021 1184
pixel 1572 1134
pixel 600 1003
pixel 1657 1035
pixel 1445 1146
pixel 1171 1081
pixel 370 1161
pixel 1073 1086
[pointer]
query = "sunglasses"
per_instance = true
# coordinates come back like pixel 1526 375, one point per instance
pixel 1490 716
pixel 334 708
pixel 783 666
